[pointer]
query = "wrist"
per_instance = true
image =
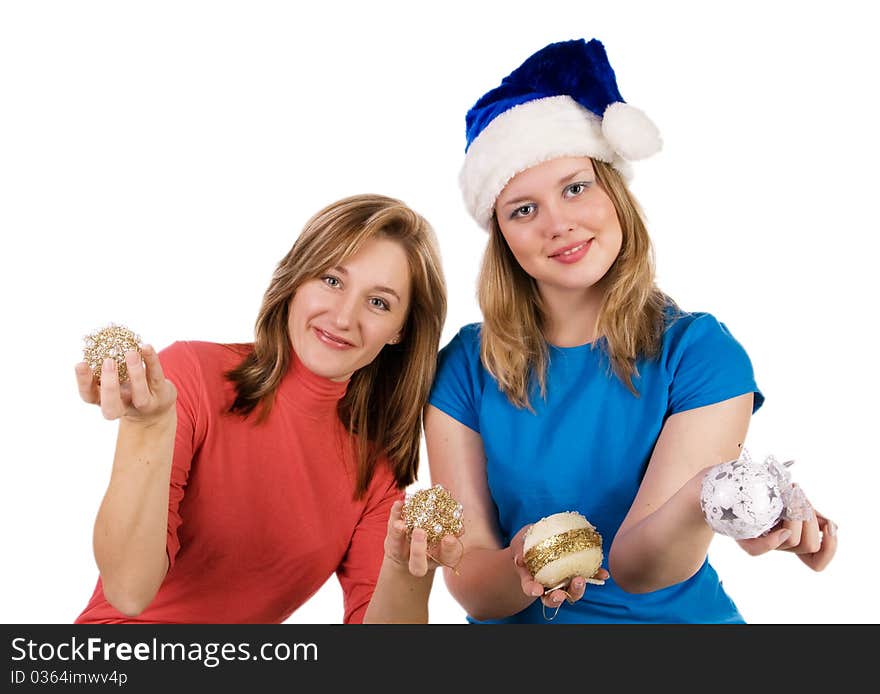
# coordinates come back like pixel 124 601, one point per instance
pixel 157 423
pixel 166 417
pixel 694 491
pixel 401 569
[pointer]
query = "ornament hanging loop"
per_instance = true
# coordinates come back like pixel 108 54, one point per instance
pixel 569 598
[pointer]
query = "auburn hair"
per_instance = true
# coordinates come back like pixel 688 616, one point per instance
pixel 382 406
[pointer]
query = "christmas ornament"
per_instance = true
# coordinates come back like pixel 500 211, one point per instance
pixel 744 499
pixel 434 510
pixel 112 342
pixel 559 547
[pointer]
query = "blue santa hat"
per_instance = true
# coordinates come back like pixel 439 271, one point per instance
pixel 563 101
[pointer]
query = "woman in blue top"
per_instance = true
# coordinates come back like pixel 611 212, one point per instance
pixel 585 388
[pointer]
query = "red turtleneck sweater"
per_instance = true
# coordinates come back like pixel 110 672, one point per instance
pixel 260 515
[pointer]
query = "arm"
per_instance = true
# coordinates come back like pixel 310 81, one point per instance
pixel 130 529
pixel 407 574
pixel 487 583
pixel 664 538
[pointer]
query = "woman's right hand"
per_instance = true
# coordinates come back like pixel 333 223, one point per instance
pixel 573 592
pixel 412 552
pixel 144 398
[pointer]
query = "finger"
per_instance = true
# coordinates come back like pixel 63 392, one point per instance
pixel 530 586
pixel 528 583
pixel 450 550
pixel 418 553
pixel 395 537
pixel 576 589
pixel 811 539
pixel 140 391
pixel 155 374
pixel 554 598
pixel 601 574
pixel 396 513
pixel 111 401
pixel 87 384
pixel 763 544
pixel 796 528
pixel 396 543
pixel 820 559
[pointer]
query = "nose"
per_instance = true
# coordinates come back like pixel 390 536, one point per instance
pixel 556 221
pixel 345 311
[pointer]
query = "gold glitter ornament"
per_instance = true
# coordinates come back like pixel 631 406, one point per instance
pixel 559 547
pixel 110 342
pixel 434 510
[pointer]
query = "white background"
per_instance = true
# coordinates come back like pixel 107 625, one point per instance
pixel 158 159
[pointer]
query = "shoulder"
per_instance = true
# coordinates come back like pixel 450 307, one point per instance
pixel 462 350
pixel 469 335
pixel 467 340
pixel 204 353
pixel 460 378
pixel 691 329
pixel 195 361
pixel 704 363
pixel 383 484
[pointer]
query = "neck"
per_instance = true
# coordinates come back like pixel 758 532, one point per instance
pixel 308 392
pixel 571 316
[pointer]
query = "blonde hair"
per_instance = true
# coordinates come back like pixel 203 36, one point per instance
pixel 382 407
pixel 631 319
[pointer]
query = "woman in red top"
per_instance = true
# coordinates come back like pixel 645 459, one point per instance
pixel 245 475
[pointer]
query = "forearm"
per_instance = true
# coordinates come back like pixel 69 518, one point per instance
pixel 399 596
pixel 487 585
pixel 664 548
pixel 131 526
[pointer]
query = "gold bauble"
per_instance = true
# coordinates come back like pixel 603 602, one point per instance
pixel 559 547
pixel 110 342
pixel 434 510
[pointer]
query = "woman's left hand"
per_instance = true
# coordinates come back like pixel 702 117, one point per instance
pixel 413 553
pixel 813 541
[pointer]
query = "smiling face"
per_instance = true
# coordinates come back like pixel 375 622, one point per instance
pixel 340 321
pixel 560 224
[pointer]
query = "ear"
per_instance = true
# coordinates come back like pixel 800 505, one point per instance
pixel 394 340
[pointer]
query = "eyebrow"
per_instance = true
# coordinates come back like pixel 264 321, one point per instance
pixel 378 288
pixel 562 181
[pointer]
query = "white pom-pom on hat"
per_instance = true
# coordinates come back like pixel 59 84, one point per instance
pixel 630 132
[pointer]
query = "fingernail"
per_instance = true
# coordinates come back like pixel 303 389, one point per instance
pixel 109 364
pixel 577 583
pixel 784 535
pixel 537 591
pixel 832 528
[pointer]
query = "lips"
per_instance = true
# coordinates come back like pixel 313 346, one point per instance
pixel 331 339
pixel 570 250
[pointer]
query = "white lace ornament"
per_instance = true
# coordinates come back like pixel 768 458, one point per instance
pixel 744 499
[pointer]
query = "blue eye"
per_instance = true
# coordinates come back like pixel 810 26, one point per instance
pixel 574 189
pixel 523 211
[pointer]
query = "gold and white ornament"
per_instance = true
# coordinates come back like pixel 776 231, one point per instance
pixel 434 510
pixel 110 342
pixel 561 546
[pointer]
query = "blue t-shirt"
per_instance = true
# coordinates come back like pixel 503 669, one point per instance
pixel 587 446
